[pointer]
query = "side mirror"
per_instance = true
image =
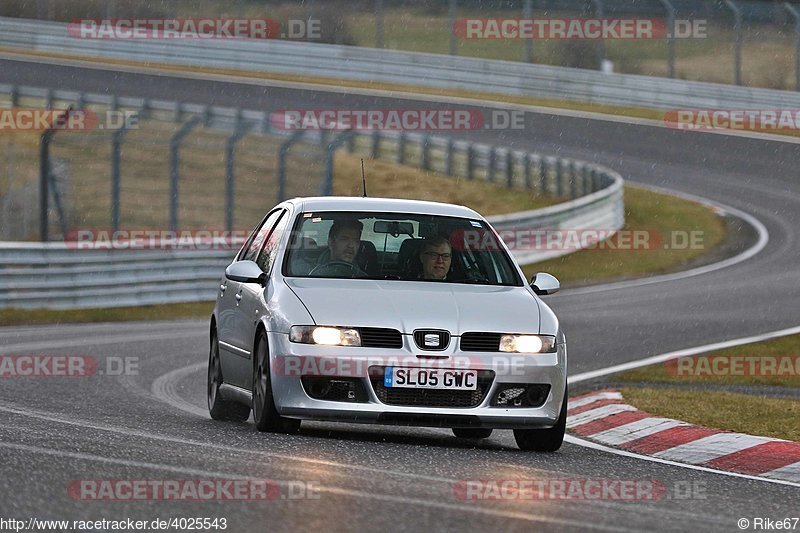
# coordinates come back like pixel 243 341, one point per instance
pixel 544 284
pixel 245 272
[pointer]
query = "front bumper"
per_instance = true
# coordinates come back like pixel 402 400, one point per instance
pixel 291 361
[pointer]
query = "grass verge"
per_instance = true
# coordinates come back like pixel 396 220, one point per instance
pixel 666 219
pixel 785 349
pixel 390 180
pixel 145 194
pixel 29 317
pixel 754 415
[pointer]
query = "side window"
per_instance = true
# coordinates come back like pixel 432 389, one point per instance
pixel 267 256
pixel 256 243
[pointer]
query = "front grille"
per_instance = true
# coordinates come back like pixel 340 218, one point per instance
pixel 480 342
pixel 380 338
pixel 442 339
pixel 430 397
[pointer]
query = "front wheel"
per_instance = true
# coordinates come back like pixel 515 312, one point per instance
pixel 264 412
pixel 218 408
pixel 544 440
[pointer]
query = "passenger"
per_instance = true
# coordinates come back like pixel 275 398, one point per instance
pixel 436 256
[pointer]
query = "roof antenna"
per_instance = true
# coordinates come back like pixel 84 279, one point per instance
pixel 363 179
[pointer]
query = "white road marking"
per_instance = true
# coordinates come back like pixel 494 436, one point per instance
pixel 615 369
pixel 791 472
pixel 760 244
pixel 94 341
pixel 623 453
pixel 636 430
pixel 165 388
pixel 585 376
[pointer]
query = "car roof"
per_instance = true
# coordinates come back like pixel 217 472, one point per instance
pixel 389 205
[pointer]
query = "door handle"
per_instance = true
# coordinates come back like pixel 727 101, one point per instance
pixel 239 297
pixel 223 287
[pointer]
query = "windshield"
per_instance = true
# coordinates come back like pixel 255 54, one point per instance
pixel 392 246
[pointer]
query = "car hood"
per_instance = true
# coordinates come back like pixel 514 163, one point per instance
pixel 409 305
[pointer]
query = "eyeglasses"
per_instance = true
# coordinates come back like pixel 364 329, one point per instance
pixel 434 255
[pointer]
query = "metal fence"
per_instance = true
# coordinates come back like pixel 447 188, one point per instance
pixel 746 42
pixel 91 189
pixel 178 166
pixel 174 166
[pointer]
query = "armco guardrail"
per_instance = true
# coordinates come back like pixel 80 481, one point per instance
pixel 430 70
pixel 56 276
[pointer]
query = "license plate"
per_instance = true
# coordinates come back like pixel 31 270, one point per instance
pixel 430 378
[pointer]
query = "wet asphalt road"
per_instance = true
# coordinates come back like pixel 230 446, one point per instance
pixel 152 425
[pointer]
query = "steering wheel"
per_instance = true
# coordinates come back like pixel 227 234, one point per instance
pixel 338 269
pixel 474 276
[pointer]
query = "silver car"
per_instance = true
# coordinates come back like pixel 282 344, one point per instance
pixel 386 311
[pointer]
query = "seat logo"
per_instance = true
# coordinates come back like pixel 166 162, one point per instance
pixel 432 339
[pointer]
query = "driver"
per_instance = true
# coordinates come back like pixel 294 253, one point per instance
pixel 436 256
pixel 344 240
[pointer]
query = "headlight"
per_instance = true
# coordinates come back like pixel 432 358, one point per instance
pixel 527 343
pixel 325 335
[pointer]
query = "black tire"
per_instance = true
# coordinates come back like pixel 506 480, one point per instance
pixel 265 414
pixel 544 440
pixel 218 408
pixel 472 433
